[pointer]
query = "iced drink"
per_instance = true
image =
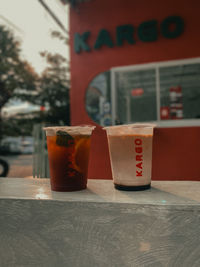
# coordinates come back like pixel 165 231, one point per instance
pixel 130 148
pixel 68 154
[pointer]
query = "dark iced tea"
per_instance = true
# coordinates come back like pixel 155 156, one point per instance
pixel 68 161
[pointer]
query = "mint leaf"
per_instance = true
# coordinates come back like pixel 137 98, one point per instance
pixel 64 139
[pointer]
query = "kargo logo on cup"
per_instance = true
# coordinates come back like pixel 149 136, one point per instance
pixel 139 156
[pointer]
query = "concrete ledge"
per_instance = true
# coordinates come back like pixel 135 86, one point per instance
pixel 99 226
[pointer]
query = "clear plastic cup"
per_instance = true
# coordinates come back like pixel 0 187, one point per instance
pixel 130 148
pixel 68 154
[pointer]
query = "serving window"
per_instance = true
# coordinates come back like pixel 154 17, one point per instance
pixel 167 93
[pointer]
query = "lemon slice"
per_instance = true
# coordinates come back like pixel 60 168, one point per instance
pixel 82 154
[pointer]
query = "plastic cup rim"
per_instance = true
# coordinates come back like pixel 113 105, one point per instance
pixel 68 127
pixel 133 125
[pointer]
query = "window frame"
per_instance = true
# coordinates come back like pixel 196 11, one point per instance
pixel 156 66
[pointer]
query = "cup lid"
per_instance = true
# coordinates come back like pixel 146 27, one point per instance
pixel 140 128
pixel 74 130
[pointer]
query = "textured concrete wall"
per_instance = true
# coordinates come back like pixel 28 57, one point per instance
pixel 103 233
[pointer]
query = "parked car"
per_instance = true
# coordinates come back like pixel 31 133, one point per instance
pixel 17 145
pixel 4 168
pixel 4 149
pixel 26 147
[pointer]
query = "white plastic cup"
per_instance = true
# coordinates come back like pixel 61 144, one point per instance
pixel 130 149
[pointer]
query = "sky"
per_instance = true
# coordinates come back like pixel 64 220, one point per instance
pixel 32 25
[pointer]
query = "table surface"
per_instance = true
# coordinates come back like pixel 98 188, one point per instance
pixel 161 192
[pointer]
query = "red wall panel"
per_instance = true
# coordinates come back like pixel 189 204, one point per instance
pixel 174 148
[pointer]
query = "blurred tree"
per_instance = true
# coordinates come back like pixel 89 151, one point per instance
pixel 54 90
pixel 14 72
pixel 54 86
pixel 51 88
